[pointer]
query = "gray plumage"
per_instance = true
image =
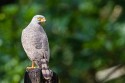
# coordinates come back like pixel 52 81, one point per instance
pixel 35 43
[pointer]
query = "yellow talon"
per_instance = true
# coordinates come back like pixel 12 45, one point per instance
pixel 32 67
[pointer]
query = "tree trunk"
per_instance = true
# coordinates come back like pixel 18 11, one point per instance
pixel 35 76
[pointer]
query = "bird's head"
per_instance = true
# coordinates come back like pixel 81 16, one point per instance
pixel 38 19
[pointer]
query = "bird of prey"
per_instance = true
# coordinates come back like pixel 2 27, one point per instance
pixel 35 43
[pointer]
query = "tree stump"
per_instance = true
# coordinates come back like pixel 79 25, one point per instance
pixel 35 76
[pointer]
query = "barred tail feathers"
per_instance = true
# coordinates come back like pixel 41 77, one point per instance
pixel 46 72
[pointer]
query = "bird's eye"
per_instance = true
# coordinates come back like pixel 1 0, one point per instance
pixel 39 18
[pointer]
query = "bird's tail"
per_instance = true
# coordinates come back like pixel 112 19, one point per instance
pixel 47 73
pixel 43 64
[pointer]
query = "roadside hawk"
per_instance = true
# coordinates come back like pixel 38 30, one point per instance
pixel 35 43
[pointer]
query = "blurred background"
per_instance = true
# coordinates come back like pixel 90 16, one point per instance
pixel 85 36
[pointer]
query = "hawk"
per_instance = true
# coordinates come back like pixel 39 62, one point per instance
pixel 35 43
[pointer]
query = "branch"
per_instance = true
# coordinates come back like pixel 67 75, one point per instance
pixel 110 73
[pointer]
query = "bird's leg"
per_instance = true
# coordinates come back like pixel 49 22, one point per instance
pixel 33 66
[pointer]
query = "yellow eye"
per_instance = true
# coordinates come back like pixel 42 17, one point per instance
pixel 39 18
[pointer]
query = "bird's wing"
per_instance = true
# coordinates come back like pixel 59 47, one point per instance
pixel 41 43
pixel 35 42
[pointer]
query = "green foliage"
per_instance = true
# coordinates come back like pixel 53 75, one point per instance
pixel 84 35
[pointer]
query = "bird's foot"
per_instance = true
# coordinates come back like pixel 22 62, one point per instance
pixel 30 68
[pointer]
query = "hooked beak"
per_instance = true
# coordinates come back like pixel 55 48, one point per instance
pixel 42 20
